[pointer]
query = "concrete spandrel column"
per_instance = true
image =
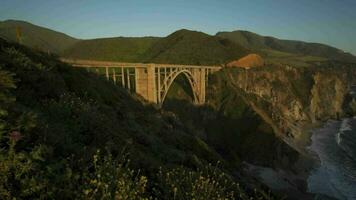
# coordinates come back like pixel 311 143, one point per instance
pixel 107 72
pixel 128 78
pixel 122 77
pixel 159 85
pixel 114 75
pixel 165 73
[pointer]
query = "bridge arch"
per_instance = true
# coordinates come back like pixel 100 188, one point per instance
pixel 168 81
pixel 151 81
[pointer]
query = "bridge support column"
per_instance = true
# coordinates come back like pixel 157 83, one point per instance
pixel 199 87
pixel 146 83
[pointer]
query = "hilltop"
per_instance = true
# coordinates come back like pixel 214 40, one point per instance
pixel 182 46
pixel 294 52
pixel 192 47
pixel 36 37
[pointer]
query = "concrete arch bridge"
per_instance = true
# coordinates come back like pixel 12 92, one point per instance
pixel 151 81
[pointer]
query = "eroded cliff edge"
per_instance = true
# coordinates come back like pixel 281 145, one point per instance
pixel 291 98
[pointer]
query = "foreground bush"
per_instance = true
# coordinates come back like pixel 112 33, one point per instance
pixel 112 179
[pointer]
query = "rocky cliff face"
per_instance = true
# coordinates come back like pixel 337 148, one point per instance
pixel 290 98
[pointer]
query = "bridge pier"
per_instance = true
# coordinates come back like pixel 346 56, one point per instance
pixel 200 80
pixel 146 83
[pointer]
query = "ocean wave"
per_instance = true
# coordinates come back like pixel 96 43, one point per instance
pixel 335 146
pixel 346 137
pixel 345 126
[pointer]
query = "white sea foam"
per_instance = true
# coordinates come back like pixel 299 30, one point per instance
pixel 336 175
pixel 345 126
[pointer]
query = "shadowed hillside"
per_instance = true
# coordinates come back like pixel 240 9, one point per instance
pixel 66 133
pixel 35 36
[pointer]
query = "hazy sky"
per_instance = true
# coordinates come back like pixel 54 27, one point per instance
pixel 331 22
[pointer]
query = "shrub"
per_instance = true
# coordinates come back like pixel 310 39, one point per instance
pixel 113 179
pixel 208 183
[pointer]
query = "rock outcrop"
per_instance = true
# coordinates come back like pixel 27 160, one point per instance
pixel 251 60
pixel 289 98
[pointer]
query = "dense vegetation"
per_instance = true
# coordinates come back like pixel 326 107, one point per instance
pixel 182 47
pixel 113 49
pixel 67 133
pixel 191 47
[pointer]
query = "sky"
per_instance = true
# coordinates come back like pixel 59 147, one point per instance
pixel 331 22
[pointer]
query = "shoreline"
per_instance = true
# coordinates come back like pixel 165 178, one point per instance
pixel 308 160
pixel 330 178
pixel 293 182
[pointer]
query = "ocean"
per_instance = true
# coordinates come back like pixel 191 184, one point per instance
pixel 334 145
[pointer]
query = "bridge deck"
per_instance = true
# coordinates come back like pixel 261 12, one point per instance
pixel 92 63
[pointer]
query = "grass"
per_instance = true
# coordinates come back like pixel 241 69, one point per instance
pixel 273 57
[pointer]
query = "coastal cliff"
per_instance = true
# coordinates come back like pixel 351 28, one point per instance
pixel 290 98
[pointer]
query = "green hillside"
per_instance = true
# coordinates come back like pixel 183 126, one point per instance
pixel 286 49
pixel 125 49
pixel 183 47
pixel 35 36
pixel 192 47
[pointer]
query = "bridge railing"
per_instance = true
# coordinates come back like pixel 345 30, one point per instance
pixel 92 63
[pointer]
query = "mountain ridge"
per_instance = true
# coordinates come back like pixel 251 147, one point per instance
pixel 194 47
pixel 35 36
pixel 129 49
pixel 259 43
pixel 208 49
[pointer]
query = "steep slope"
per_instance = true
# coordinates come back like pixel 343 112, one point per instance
pixel 35 36
pixel 125 49
pixel 64 133
pixel 270 46
pixel 191 47
pixel 291 98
